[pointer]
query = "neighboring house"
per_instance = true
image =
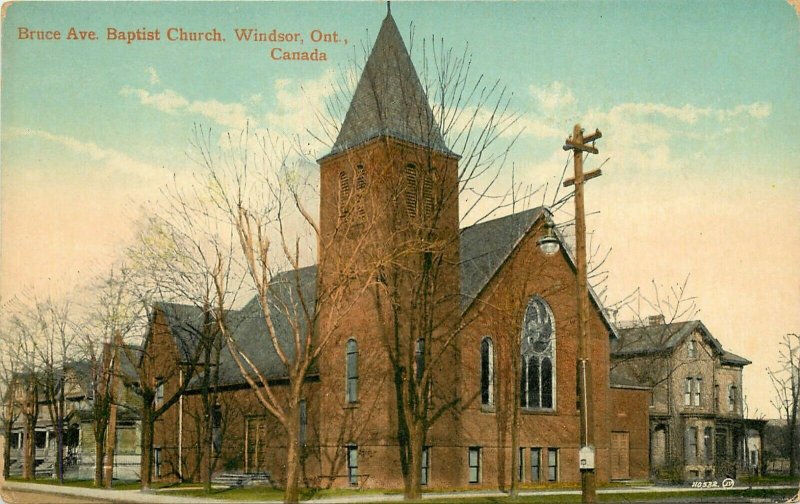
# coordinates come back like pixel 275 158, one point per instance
pixel 513 304
pixel 78 430
pixel 697 424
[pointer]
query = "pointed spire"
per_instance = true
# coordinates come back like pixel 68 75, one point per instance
pixel 389 98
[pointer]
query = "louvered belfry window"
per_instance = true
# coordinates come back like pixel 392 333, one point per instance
pixel 411 190
pixel 361 187
pixel 419 189
pixel 344 193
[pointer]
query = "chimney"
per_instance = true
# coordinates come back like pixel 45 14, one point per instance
pixel 654 320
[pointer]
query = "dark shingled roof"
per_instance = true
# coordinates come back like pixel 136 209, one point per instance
pixel 186 324
pixel 486 246
pixel 733 359
pixel 389 99
pixel 484 249
pixel 653 338
pixel 649 339
pixel 250 330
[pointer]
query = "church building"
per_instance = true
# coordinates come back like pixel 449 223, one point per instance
pixel 474 327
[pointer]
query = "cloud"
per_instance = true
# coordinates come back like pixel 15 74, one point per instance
pixel 553 96
pixel 231 115
pixel 113 161
pixel 301 107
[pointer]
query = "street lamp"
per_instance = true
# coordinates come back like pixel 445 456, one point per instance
pixel 549 244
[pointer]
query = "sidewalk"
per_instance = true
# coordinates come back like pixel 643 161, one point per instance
pixel 138 497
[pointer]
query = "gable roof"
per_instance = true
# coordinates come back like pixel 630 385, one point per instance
pixel 389 99
pixel 655 338
pixel 486 246
pixel 250 331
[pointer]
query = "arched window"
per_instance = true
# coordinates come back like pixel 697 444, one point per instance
pixel 487 372
pixel 538 356
pixel 351 387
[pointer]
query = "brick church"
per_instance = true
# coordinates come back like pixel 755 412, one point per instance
pixel 480 315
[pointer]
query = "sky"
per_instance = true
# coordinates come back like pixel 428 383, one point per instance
pixel 697 103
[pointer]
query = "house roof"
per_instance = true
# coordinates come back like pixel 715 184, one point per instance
pixel 733 359
pixel 655 338
pixel 389 99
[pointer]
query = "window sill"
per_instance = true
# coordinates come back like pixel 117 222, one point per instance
pixel 488 408
pixel 538 411
pixel 351 405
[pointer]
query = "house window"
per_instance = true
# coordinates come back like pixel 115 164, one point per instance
pixel 521 464
pixel 696 395
pixel 536 461
pixel 352 465
pixel 426 466
pixel 159 397
pixel 692 349
pixel 538 354
pixel 691 445
pixel 301 436
pixel 16 440
pixel 687 392
pixel 474 462
pixel 157 462
pixel 717 397
pixel 552 464
pixel 732 398
pixel 708 439
pixel 40 439
pixel 419 358
pixel 487 372
pixel 351 387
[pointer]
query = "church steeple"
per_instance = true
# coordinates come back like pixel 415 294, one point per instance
pixel 389 98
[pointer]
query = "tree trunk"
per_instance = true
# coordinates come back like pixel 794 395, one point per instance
pixel 60 446
pixel 515 458
pixel 208 449
pixel 413 489
pixel 29 464
pixel 98 458
pixel 147 447
pixel 291 493
pixel 792 447
pixel 7 426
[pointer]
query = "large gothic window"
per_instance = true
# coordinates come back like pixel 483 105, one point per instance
pixel 537 354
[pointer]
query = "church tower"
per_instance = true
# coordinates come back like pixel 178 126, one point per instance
pixel 389 277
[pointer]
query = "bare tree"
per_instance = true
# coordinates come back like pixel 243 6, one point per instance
pixel 9 412
pixel 785 377
pixel 263 197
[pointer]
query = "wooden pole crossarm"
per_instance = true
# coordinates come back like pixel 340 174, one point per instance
pixel 570 145
pixel 586 176
pixel 594 136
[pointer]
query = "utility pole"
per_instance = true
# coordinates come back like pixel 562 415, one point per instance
pixel 578 144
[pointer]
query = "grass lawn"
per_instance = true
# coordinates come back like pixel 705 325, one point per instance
pixel 700 496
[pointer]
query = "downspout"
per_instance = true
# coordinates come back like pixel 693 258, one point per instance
pixel 180 427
